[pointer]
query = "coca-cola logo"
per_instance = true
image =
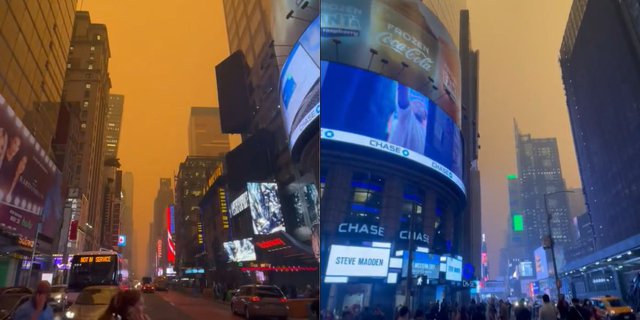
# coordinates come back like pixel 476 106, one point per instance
pixel 410 53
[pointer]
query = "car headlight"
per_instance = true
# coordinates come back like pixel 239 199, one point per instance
pixel 70 314
pixel 57 297
pixel 612 312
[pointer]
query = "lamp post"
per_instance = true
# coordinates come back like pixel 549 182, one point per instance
pixel 553 251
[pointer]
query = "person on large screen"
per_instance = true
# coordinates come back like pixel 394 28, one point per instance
pixel 409 122
pixel 4 142
pixel 12 167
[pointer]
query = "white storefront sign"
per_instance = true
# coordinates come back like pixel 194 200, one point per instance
pixel 358 261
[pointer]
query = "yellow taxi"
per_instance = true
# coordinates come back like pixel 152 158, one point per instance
pixel 613 308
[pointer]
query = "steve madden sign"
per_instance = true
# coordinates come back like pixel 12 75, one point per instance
pixel 361 228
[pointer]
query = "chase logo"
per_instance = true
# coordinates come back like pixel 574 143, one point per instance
pixel 329 134
pixel 318 109
pixel 405 152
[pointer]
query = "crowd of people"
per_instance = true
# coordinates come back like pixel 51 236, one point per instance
pixel 492 309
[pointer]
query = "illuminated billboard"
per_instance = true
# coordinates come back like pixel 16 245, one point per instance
pixel 29 181
pixel 424 264
pixel 300 83
pixel 518 223
pixel 351 261
pixel 122 240
pixel 454 269
pixel 400 39
pixel 171 249
pixel 240 250
pixel 542 266
pixel 366 109
pixel 265 208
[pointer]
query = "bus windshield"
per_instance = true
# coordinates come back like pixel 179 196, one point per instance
pixel 91 270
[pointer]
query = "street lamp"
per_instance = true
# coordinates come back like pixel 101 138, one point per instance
pixel 553 251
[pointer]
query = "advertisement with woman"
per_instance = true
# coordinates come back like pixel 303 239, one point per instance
pixel 29 180
pixel 374 106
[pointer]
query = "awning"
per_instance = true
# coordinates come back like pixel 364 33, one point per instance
pixel 282 248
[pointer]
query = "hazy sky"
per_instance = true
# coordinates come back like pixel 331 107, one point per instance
pixel 520 78
pixel 163 55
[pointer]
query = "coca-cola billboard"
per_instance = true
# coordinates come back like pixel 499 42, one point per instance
pixel 400 39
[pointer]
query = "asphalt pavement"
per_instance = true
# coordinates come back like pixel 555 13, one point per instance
pixel 176 305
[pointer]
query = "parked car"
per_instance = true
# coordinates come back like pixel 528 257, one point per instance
pixel 9 303
pixel 23 290
pixel 148 288
pixel 92 302
pixel 260 301
pixel 613 308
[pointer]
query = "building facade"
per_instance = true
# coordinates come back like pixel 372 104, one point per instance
pixel 126 220
pixel 205 135
pixel 164 198
pixel 113 125
pixel 87 85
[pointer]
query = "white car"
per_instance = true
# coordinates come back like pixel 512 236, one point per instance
pixel 91 303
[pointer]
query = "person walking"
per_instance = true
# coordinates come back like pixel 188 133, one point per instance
pixel 563 307
pixel 36 308
pixel 548 311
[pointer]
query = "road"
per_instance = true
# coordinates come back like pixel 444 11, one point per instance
pixel 175 305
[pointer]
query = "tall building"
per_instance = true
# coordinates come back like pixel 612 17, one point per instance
pixel 113 125
pixel 191 183
pixel 601 70
pixel 449 13
pixel 470 64
pixel 539 175
pixel 87 85
pixel 34 46
pixel 126 221
pixel 164 198
pixel 205 134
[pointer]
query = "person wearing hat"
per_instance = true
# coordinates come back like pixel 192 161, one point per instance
pixel 36 308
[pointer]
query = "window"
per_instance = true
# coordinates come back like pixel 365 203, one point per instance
pixel 83 125
pixel 68 65
pixel 90 66
pixel 87 86
pixel 98 37
pixel 93 48
pixel 85 104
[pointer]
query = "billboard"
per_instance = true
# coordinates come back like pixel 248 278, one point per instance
pixel 171 249
pixel 373 111
pixel 542 267
pixel 424 264
pixel 171 217
pixel 29 181
pixel 350 261
pixel 525 269
pixel 265 207
pixel 454 269
pixel 240 250
pixel 400 39
pixel 122 240
pixel 239 204
pixel 300 83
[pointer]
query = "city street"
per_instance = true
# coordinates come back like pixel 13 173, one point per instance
pixel 176 305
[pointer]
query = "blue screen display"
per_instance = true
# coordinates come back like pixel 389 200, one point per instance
pixel 364 108
pixel 424 264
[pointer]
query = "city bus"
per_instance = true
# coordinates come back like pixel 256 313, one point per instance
pixel 94 268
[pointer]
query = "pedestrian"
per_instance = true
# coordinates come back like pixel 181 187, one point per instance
pixel 36 308
pixel 419 315
pixel 522 311
pixel 504 310
pixel 126 305
pixel 492 312
pixel 563 307
pixel 403 313
pixel 377 313
pixel 548 311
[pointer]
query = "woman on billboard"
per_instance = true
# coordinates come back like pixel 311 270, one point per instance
pixel 408 124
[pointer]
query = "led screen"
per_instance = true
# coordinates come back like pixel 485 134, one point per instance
pixel 518 223
pixel 400 39
pixel 525 269
pixel 358 261
pixel 29 181
pixel 454 269
pixel 424 264
pixel 240 250
pixel 265 208
pixel 542 266
pixel 300 83
pixel 370 110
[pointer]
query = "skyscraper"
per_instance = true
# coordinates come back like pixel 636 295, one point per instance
pixel 87 86
pixel 539 173
pixel 205 134
pixel 113 124
pixel 600 65
pixel 164 198
pixel 126 221
pixel 34 47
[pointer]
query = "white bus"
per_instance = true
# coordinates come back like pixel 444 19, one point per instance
pixel 93 268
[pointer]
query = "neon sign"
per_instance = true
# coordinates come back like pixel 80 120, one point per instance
pixel 98 259
pixel 270 243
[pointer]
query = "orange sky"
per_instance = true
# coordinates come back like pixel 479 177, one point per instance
pixel 520 78
pixel 163 55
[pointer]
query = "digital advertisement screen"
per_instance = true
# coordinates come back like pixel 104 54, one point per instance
pixel 240 250
pixel 358 261
pixel 300 83
pixel 424 264
pixel 29 181
pixel 171 249
pixel 542 266
pixel 373 111
pixel 265 208
pixel 525 269
pixel 454 269
pixel 306 204
pixel 362 33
